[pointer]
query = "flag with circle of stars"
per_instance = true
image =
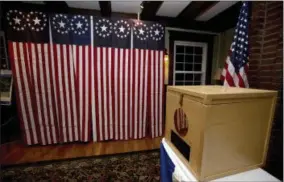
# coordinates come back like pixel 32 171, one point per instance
pixel 27 26
pixel 70 29
pixel 112 32
pixel 148 35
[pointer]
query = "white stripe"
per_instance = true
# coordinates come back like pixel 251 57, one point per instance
pixel 161 62
pixel 86 91
pixel 100 92
pixel 126 126
pixel 244 76
pixel 37 92
pixel 21 94
pixel 120 94
pixel 156 93
pixel 48 88
pixel 136 94
pixel 61 94
pixel 43 94
pixel 110 93
pixel 231 70
pixel 93 84
pixel 140 103
pixel 74 51
pixel 29 95
pixel 116 91
pixel 152 93
pixel 67 93
pixel 53 75
pixel 131 92
pixel 72 71
pixel 145 92
pixel 104 91
pixel 80 80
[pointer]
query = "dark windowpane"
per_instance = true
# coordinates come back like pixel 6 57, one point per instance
pixel 197 77
pixel 189 58
pixel 180 58
pixel 189 50
pixel 179 49
pixel 197 83
pixel 179 66
pixel 179 76
pixel 197 59
pixel 198 50
pixel 188 77
pixel 188 67
pixel 178 83
pixel 188 83
pixel 197 67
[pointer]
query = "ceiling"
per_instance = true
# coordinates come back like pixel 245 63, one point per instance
pixel 215 16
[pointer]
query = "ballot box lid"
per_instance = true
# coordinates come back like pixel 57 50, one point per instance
pixel 213 94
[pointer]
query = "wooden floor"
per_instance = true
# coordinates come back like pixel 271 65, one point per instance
pixel 17 153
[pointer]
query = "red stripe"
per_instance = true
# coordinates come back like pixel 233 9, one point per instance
pixel 106 77
pixel 53 109
pixel 118 95
pixel 17 79
pixel 137 80
pixel 149 100
pixel 24 90
pixel 90 94
pixel 64 94
pixel 228 77
pixel 56 61
pixel 113 91
pixel 44 64
pixel 96 93
pixel 76 71
pixel 133 92
pixel 159 93
pixel 241 81
pixel 72 119
pixel 163 96
pixel 124 94
pixel 129 91
pixel 142 66
pixel 154 94
pixel 102 93
pixel 82 76
pixel 40 94
pixel 32 93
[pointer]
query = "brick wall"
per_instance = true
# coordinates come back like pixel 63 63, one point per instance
pixel 266 69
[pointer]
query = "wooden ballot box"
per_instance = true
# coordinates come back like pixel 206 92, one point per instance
pixel 218 131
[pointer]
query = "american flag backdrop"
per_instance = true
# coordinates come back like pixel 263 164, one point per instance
pixel 80 77
pixel 31 60
pixel 236 65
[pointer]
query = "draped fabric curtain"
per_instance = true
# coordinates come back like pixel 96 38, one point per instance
pixel 82 78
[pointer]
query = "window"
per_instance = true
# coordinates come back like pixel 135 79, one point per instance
pixel 189 63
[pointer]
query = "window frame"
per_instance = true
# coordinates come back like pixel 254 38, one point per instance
pixel 203 64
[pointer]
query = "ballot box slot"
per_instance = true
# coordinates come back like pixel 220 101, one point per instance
pixel 179 143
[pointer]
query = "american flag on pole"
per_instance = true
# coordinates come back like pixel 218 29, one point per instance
pixel 236 65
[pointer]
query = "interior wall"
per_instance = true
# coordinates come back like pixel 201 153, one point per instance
pixel 221 46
